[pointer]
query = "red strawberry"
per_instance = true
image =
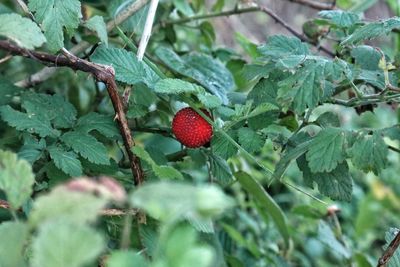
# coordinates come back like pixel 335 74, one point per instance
pixel 191 129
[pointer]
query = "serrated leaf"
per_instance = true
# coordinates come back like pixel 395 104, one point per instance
pixel 61 243
pixel 282 45
pixel 14 236
pixel 54 16
pixel 32 123
pixel 327 150
pixel 87 146
pixel 62 204
pixel 128 68
pixel 104 124
pixel 163 171
pixel 97 24
pixel 24 32
pixel 250 140
pixel 32 150
pixel 67 161
pixel 55 108
pixel 266 201
pixel 171 201
pixel 336 184
pixel 220 170
pixel 369 153
pixel 265 91
pixel 16 178
pixel 327 237
pixel 305 88
pixel 290 154
pixel 222 147
pixel 175 86
pixel 372 30
pixel 124 258
pixel 340 18
pixel 207 71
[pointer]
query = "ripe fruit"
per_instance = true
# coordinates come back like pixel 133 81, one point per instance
pixel 191 129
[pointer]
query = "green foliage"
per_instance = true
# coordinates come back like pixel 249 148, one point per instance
pixel 16 178
pixel 327 150
pixel 163 172
pixel 87 146
pixel 127 68
pixel 301 170
pixel 54 16
pixel 98 25
pixel 12 243
pixel 80 245
pixel 207 71
pixel 21 30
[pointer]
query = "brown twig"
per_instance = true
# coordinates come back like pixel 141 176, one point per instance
pixel 390 250
pixel 315 5
pixel 47 72
pixel 103 74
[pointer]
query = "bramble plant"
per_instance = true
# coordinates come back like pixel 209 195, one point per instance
pixel 128 137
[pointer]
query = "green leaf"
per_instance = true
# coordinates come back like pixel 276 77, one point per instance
pixel 372 30
pixel 31 122
pixel 171 201
pixel 67 161
pixel 126 65
pixel 254 188
pixel 87 146
pixel 328 119
pixel 369 153
pixel 104 124
pixel 367 57
pixel 123 258
pixel 14 236
pixel 220 170
pixel 8 91
pixel 222 147
pixel 16 178
pixel 60 243
pixel 336 184
pixel 327 237
pixel 340 18
pixel 207 71
pixel 250 140
pixel 176 86
pixel 265 91
pixel 282 45
pixel 305 88
pixel 32 149
pixel 389 236
pixel 24 32
pixel 66 205
pixel 327 150
pixel 163 172
pixel 54 16
pixel 54 107
pixel 98 25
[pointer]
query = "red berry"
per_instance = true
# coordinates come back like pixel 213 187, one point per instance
pixel 191 129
